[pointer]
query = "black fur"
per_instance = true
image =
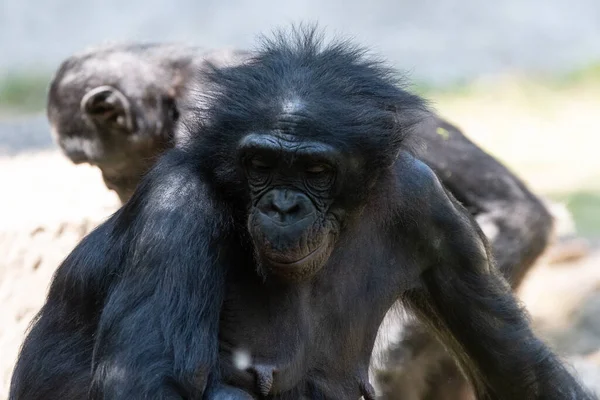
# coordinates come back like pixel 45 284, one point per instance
pixel 157 300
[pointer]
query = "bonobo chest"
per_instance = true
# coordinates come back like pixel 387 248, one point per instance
pixel 310 339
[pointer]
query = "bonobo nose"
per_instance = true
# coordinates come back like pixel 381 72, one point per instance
pixel 285 206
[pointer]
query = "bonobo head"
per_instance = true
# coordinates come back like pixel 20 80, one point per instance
pixel 116 106
pixel 292 187
pixel 300 133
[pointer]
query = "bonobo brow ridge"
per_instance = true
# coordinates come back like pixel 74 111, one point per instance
pixel 280 142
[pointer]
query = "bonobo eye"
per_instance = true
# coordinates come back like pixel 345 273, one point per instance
pixel 259 165
pixel 258 169
pixel 319 176
pixel 317 169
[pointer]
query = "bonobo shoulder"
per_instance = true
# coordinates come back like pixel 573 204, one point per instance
pixel 420 194
pixel 173 186
pixel 172 180
pixel 433 212
pixel 415 178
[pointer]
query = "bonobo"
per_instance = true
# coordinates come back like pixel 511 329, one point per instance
pixel 515 220
pixel 115 106
pixel 259 257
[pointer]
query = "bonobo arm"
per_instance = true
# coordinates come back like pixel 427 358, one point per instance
pixel 463 299
pixel 133 311
pixel 157 336
pixel 54 361
pixel 516 222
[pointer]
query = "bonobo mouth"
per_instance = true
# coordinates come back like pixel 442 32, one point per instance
pixel 297 268
pixel 313 255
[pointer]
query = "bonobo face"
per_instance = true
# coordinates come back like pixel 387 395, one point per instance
pixel 292 184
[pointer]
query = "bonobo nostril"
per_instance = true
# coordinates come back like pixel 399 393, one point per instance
pixel 287 206
pixel 285 202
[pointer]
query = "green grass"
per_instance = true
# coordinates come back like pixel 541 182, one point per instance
pixel 457 88
pixel 585 76
pixel 584 206
pixel 23 92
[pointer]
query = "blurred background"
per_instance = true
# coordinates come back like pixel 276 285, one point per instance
pixel 521 78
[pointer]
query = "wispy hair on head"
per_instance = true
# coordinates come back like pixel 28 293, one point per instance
pixel 349 98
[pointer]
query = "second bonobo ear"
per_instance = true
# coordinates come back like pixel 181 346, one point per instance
pixel 107 106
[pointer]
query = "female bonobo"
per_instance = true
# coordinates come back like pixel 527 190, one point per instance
pixel 259 258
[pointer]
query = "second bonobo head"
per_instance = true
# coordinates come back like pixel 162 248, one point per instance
pixel 115 106
pixel 295 139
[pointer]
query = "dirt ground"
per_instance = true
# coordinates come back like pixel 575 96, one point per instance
pixel 64 202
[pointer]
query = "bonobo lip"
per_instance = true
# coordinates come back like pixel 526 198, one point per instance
pixel 315 253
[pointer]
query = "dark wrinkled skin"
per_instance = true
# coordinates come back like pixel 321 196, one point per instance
pixel 488 190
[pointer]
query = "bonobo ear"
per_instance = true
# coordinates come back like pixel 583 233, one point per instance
pixel 106 106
